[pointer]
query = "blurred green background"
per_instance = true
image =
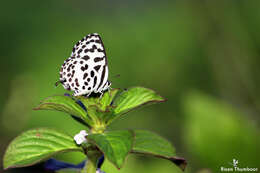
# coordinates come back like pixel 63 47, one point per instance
pixel 203 56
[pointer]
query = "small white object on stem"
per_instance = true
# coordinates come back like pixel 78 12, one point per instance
pixel 81 137
pixel 99 171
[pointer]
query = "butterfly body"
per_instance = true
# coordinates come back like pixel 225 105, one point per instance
pixel 86 70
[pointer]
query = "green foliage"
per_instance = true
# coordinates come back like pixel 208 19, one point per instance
pixel 100 109
pixel 64 104
pixel 103 103
pixel 97 113
pixel 100 112
pixel 114 144
pixel 149 143
pixel 37 145
pixel 132 99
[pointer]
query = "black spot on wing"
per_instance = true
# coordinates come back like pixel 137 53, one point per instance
pixel 68 69
pixel 100 50
pixel 104 51
pixel 102 44
pixel 73 72
pixel 91 49
pixel 97 67
pixel 94 47
pixel 83 68
pixel 85 75
pixel 93 35
pixel 86 57
pixel 97 59
pixel 95 81
pixel 77 82
pixel 79 51
pixel 87 36
pixel 98 41
pixel 92 73
pixel 102 77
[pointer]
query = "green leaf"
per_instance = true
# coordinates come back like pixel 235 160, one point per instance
pixel 114 144
pixel 149 143
pixel 99 109
pixel 107 98
pixel 64 104
pixel 133 98
pixel 102 102
pixel 68 171
pixel 37 145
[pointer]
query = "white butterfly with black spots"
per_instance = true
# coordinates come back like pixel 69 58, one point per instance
pixel 86 70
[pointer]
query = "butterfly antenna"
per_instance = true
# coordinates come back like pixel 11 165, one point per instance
pixel 116 76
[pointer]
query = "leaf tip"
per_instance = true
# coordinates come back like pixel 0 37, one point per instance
pixel 180 162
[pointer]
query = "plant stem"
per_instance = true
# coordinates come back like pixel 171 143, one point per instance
pixel 89 167
pixel 91 163
pixel 98 128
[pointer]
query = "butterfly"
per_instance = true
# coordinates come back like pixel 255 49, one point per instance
pixel 86 70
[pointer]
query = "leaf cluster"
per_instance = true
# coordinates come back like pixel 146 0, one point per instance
pixel 96 113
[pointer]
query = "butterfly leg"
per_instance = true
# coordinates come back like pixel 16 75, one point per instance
pixel 75 93
pixel 108 90
pixel 88 95
pixel 101 94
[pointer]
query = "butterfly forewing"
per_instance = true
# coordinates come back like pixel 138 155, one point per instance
pixel 86 70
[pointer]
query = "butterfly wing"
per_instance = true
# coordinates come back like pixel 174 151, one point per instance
pixel 88 66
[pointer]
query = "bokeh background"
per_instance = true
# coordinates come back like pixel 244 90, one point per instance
pixel 203 56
